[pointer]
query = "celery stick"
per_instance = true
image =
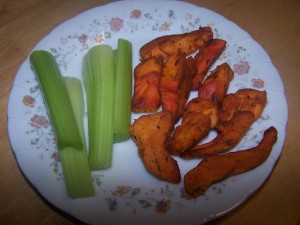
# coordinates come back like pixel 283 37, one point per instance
pixel 69 143
pixel 77 174
pixel 57 98
pixel 123 89
pixel 99 82
pixel 75 91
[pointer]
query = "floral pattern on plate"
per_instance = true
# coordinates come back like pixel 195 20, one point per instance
pixel 139 193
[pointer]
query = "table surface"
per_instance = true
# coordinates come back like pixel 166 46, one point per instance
pixel 274 24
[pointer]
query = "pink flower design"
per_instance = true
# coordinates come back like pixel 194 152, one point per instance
pixel 163 206
pixel 165 26
pixel 83 38
pixel 99 37
pixel 29 101
pixel 258 83
pixel 188 16
pixel 241 68
pixel 39 122
pixel 184 194
pixel 116 24
pixel 55 156
pixel 122 190
pixel 135 14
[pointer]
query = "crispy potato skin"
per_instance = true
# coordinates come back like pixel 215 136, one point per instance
pixel 216 168
pixel 170 44
pixel 215 86
pixel 151 134
pixel 146 96
pixel 175 83
pixel 205 58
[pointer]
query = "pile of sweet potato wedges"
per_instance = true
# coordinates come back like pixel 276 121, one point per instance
pixel 171 67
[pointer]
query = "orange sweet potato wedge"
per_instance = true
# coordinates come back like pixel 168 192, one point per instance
pixel 199 117
pixel 229 135
pixel 205 106
pixel 246 99
pixel 238 112
pixel 193 128
pixel 217 168
pixel 146 96
pixel 170 44
pixel 151 133
pixel 215 86
pixel 205 58
pixel 175 83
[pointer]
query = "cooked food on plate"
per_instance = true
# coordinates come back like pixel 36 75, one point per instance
pixel 175 83
pixel 171 67
pixel 199 117
pixel 216 168
pixel 215 86
pixel 170 44
pixel 205 58
pixel 238 112
pixel 151 134
pixel 146 96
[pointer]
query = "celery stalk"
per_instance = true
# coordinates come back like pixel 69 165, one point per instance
pixel 69 143
pixel 57 99
pixel 99 82
pixel 123 89
pixel 75 91
pixel 77 174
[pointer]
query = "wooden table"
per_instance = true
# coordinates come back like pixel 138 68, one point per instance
pixel 274 24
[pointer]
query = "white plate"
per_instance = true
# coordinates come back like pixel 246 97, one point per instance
pixel 127 193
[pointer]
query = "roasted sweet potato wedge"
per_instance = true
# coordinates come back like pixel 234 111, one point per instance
pixel 205 58
pixel 185 86
pixel 170 44
pixel 217 168
pixel 205 106
pixel 199 117
pixel 151 134
pixel 238 112
pixel 146 96
pixel 152 48
pixel 194 127
pixel 229 135
pixel 175 83
pixel 243 100
pixel 215 86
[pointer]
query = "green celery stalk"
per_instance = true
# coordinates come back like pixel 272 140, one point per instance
pixel 99 81
pixel 57 99
pixel 123 91
pixel 77 174
pixel 69 143
pixel 75 91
